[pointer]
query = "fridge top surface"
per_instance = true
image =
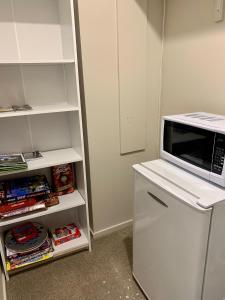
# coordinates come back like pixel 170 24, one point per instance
pixel 190 188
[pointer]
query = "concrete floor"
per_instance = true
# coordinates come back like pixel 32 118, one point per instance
pixel 103 274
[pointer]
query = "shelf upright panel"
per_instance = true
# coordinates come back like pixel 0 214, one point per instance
pixel 84 175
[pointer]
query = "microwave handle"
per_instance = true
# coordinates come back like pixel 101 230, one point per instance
pixel 157 199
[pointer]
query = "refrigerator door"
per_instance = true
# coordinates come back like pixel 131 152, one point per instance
pixel 169 243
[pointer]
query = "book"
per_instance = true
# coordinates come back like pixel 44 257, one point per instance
pixel 38 206
pixel 6 159
pixel 4 208
pixel 21 188
pixel 21 259
pixel 12 162
pixel 10 267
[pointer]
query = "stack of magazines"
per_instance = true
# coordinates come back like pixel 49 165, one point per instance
pixel 23 195
pixel 12 162
pixel 27 244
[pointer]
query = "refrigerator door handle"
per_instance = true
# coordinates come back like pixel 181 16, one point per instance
pixel 157 199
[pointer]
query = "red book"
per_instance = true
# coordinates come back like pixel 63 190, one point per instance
pixel 17 205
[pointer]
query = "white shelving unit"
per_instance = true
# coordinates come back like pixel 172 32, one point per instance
pixel 38 66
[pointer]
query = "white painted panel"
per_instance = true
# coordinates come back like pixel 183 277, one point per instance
pixel 74 127
pixel 65 16
pixel 132 47
pixel 71 84
pixel 59 219
pixel 98 29
pixel 82 218
pixel 44 84
pixel 79 178
pixel 51 132
pixel 11 86
pixel 38 29
pixel 8 49
pixel 14 135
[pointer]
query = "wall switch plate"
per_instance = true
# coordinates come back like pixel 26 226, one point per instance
pixel 218 10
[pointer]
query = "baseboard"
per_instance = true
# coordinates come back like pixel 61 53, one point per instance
pixel 141 288
pixel 111 229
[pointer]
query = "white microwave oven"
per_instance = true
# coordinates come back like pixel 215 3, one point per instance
pixel 195 142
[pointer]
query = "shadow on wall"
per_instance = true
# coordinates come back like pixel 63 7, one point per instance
pixel 190 18
pixel 194 58
pixel 154 14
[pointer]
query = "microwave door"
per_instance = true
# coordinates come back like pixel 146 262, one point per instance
pixel 190 144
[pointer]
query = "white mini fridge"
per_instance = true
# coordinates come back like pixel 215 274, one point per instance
pixel 179 234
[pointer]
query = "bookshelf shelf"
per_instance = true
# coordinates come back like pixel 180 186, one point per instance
pixel 38 66
pixel 50 158
pixel 37 62
pixel 39 110
pixel 65 202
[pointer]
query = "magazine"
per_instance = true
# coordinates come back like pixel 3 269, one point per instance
pixel 12 162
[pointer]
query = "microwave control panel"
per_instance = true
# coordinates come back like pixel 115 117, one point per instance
pixel 219 152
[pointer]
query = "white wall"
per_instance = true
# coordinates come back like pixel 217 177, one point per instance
pixel 194 59
pixel 111 175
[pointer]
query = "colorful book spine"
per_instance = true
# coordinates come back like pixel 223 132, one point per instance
pixel 44 257
pixel 38 206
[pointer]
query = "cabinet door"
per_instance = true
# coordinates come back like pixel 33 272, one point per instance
pixel 170 242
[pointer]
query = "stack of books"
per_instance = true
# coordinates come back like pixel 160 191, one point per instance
pixel 27 244
pixel 23 195
pixel 12 162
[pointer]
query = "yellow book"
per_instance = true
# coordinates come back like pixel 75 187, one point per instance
pixel 42 258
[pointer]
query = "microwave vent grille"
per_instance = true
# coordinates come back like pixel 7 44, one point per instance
pixel 204 117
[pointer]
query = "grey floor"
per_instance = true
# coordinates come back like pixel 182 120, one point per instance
pixel 103 274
